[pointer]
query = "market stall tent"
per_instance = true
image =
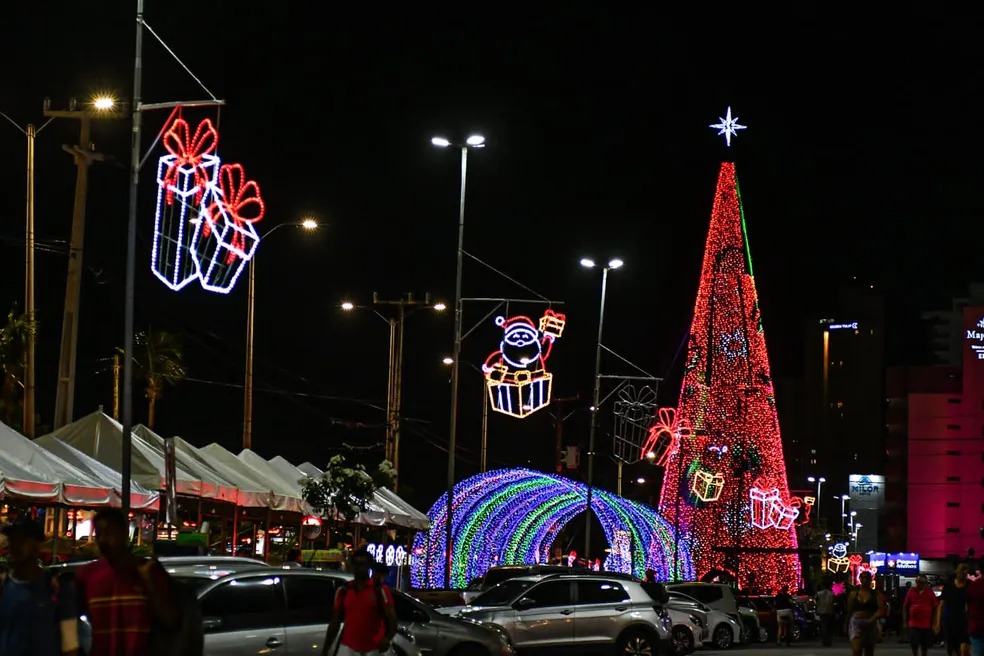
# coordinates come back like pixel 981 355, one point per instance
pixel 186 458
pixel 281 496
pixel 140 497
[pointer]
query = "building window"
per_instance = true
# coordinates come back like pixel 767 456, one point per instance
pixel 954 401
pixel 952 479
pixel 952 504
pixel 840 404
pixel 953 453
pixel 953 530
pixel 953 426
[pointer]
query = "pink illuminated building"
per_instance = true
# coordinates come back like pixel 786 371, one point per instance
pixel 935 443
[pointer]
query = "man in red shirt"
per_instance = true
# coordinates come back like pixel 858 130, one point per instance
pixel 364 610
pixel 918 611
pixel 975 615
pixel 122 595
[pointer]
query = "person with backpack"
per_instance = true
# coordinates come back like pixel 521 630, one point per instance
pixel 37 611
pixel 363 610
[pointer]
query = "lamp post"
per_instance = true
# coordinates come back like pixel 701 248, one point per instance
pixel 394 384
pixel 819 481
pixel 843 499
pixel 857 531
pixel 306 224
pixel 474 141
pixel 483 458
pixel 596 395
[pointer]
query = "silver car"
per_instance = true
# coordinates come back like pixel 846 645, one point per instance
pixel 278 611
pixel 574 612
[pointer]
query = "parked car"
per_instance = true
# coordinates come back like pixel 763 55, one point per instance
pixel 764 606
pixel 573 612
pixel 718 596
pixel 440 597
pixel 299 595
pixel 687 631
pixel 720 629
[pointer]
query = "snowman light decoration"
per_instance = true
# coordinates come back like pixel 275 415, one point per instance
pixel 516 375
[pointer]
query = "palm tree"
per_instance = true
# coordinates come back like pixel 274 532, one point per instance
pixel 160 360
pixel 13 349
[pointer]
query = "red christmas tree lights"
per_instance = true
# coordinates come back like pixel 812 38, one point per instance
pixel 725 485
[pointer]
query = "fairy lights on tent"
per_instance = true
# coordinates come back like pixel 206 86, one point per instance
pixel 513 516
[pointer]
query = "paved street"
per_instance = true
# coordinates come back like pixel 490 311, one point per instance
pixel 813 648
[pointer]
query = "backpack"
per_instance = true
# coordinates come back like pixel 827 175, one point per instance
pixel 377 589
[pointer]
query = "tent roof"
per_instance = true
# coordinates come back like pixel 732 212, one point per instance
pixel 140 497
pixel 101 437
pixel 280 497
pixel 187 459
pixel 29 472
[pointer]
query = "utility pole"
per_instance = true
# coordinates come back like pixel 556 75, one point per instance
pixel 116 387
pixel 84 155
pixel 29 385
pixel 559 419
pixel 394 400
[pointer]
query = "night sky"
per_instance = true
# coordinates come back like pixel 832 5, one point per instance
pixel 861 158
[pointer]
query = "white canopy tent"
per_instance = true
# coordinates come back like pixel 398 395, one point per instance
pixel 186 459
pixel 29 472
pixel 101 437
pixel 140 497
pixel 280 496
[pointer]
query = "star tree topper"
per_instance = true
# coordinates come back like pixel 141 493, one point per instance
pixel 728 126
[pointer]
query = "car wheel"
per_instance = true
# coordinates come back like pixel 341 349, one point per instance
pixel 797 632
pixel 637 643
pixel 722 636
pixel 763 634
pixel 683 640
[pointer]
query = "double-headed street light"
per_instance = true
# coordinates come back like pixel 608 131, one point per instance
pixel 596 397
pixel 474 141
pixel 309 224
pixel 819 481
pixel 843 499
pixel 394 385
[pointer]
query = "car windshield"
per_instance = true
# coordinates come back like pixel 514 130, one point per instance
pixel 193 583
pixel 494 577
pixel 502 594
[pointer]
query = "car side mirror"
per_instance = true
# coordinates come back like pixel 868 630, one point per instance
pixel 211 623
pixel 525 603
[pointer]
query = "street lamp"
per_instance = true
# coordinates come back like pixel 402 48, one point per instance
pixel 473 141
pixel 103 103
pixel 857 531
pixel 394 383
pixel 843 499
pixel 596 397
pixel 308 224
pixel 483 457
pixel 819 481
pixel 448 360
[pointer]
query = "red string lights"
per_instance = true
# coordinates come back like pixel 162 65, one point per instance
pixel 725 484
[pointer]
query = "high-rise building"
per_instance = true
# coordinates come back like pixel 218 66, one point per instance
pixel 844 401
pixel 946 326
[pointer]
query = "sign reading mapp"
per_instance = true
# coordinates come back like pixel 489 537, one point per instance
pixel 975 336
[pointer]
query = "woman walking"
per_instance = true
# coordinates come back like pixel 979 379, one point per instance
pixel 951 616
pixel 865 606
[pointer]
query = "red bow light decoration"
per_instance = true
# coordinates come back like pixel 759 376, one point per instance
pixel 240 203
pixel 188 149
pixel 665 435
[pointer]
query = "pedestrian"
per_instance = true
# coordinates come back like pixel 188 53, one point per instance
pixel 365 607
pixel 37 611
pixel 825 610
pixel 951 616
pixel 123 596
pixel 783 604
pixel 865 606
pixel 918 611
pixel 975 616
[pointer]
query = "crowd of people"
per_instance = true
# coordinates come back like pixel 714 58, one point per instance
pixel 132 607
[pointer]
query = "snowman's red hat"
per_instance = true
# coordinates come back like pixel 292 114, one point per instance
pixel 515 323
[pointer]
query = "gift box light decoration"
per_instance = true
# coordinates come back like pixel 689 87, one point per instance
pixel 514 516
pixel 516 375
pixel 728 400
pixel 633 413
pixel 707 486
pixel 203 222
pixel 665 436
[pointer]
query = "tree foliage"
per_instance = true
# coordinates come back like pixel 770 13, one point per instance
pixel 14 336
pixel 344 491
pixel 159 357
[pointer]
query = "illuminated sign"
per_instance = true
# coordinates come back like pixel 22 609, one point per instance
pixel 906 564
pixel 877 559
pixel 516 374
pixel 866 486
pixel 203 222
pixel 390 554
pixel 976 334
pixel 843 326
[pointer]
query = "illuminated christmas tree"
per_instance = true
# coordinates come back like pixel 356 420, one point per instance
pixel 725 481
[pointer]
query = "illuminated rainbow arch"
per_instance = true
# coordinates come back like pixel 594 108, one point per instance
pixel 512 516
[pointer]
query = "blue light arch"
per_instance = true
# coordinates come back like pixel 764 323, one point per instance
pixel 513 516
